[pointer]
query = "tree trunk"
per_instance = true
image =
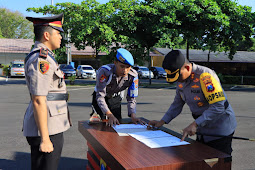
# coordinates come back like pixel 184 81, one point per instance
pixel 187 50
pixel 208 57
pixel 97 57
pixel 148 54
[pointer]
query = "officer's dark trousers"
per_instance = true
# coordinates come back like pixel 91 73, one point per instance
pixel 45 161
pixel 113 103
pixel 223 144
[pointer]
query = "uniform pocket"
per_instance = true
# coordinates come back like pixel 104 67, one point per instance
pixel 57 107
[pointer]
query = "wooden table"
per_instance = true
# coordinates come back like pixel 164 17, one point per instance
pixel 108 150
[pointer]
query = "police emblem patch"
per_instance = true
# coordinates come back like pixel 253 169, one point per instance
pixel 102 78
pixel 44 66
pixel 208 83
pixel 180 86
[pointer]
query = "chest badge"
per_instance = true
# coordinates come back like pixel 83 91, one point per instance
pixel 180 86
pixel 196 98
pixel 195 86
pixel 200 104
pixel 192 76
pixel 44 66
pixel 196 80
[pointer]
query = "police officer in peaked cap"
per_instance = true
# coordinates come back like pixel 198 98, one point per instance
pixel 47 115
pixel 111 82
pixel 200 88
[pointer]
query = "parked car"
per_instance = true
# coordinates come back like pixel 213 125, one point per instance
pixel 158 72
pixel 68 70
pixel 143 72
pixel 17 68
pixel 86 71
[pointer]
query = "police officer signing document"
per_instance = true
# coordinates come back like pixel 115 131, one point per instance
pixel 47 115
pixel 199 87
pixel 112 80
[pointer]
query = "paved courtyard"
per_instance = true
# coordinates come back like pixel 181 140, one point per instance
pixel 152 104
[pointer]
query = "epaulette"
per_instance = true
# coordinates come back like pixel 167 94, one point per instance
pixel 43 52
pixel 106 67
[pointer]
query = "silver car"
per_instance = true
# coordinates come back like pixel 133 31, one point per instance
pixel 143 72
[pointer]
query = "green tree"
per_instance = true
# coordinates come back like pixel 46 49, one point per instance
pixel 14 25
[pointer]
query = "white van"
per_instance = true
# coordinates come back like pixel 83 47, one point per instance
pixel 17 68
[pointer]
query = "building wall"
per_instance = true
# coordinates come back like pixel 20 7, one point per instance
pixel 6 58
pixel 157 61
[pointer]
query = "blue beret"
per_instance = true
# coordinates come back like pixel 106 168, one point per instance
pixel 124 56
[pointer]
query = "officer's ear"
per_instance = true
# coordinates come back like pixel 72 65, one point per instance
pixel 187 66
pixel 46 35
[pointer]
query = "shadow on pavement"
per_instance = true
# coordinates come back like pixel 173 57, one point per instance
pixel 89 104
pixel 22 162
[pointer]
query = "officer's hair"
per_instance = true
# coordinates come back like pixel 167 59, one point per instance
pixel 39 31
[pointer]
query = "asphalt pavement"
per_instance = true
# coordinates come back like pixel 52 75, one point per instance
pixel 152 103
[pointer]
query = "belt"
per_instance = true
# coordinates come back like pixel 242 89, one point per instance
pixel 57 96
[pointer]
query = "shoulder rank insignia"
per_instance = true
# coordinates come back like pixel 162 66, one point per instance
pixel 43 52
pixel 44 66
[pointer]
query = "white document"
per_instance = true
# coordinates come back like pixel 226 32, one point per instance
pixel 149 134
pixel 163 142
pixel 153 139
pixel 125 129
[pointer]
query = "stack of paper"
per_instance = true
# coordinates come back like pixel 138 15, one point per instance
pixel 153 139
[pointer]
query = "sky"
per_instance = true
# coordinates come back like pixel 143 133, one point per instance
pixel 22 5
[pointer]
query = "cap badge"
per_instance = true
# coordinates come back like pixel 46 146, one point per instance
pixel 121 59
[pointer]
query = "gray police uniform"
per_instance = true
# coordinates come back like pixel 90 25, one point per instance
pixel 109 85
pixel 44 78
pixel 207 101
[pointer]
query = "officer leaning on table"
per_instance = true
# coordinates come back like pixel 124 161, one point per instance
pixel 47 115
pixel 199 87
pixel 111 82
